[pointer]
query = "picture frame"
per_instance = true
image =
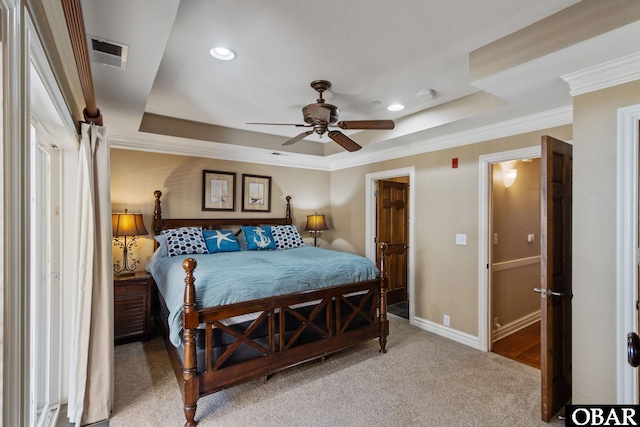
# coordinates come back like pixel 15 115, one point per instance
pixel 256 193
pixel 218 191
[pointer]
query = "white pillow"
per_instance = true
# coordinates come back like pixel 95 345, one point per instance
pixel 162 245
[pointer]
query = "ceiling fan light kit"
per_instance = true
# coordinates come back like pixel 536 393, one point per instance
pixel 320 116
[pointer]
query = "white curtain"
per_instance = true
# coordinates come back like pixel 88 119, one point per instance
pixel 91 383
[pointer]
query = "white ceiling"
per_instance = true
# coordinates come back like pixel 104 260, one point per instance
pixel 375 52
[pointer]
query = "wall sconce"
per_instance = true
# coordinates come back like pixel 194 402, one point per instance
pixel 315 225
pixel 509 177
pixel 126 225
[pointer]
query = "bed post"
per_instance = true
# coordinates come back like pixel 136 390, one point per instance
pixel 287 213
pixel 384 323
pixel 191 390
pixel 157 213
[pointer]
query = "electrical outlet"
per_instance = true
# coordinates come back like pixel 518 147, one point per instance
pixel 461 239
pixel 446 320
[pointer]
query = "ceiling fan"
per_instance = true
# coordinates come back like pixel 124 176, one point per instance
pixel 322 116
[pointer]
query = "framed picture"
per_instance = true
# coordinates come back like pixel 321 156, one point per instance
pixel 256 193
pixel 218 191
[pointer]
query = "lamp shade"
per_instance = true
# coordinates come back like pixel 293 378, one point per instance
pixel 127 224
pixel 315 223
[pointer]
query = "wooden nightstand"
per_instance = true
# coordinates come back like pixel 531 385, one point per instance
pixel 132 307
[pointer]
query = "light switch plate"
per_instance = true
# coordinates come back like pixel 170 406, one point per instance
pixel 461 239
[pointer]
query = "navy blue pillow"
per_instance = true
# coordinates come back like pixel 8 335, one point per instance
pixel 220 241
pixel 259 238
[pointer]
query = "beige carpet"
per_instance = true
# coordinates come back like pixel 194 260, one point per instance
pixel 423 380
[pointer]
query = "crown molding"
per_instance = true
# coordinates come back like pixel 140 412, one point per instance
pixel 344 160
pixel 220 151
pixel 605 75
pixel 548 119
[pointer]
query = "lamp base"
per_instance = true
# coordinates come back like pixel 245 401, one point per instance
pixel 125 273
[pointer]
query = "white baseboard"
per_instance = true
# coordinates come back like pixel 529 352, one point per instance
pixel 447 332
pixel 515 326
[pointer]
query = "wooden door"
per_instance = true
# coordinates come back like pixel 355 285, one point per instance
pixel 392 205
pixel 555 291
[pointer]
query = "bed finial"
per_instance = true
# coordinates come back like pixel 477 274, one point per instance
pixel 287 213
pixel 157 212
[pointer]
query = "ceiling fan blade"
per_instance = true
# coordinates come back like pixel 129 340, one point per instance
pixel 281 124
pixel 298 138
pixel 366 124
pixel 342 139
pixel 320 112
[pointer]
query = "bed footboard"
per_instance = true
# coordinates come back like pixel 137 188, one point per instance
pixel 332 319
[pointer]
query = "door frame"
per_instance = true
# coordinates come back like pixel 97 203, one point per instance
pixel 370 225
pixel 627 248
pixel 484 228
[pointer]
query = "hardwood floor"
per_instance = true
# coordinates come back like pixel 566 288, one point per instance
pixel 523 346
pixel 400 309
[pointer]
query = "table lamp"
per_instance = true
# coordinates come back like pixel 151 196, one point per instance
pixel 126 225
pixel 315 225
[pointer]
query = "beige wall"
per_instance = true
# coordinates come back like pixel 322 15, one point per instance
pixel 136 175
pixel 516 212
pixel 594 241
pixel 446 203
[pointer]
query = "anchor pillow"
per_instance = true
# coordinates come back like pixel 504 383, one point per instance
pixel 259 238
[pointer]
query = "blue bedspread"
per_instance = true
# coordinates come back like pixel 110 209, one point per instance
pixel 226 278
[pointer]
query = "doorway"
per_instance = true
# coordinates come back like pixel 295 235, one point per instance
pixel 406 176
pixel 555 284
pixel 392 223
pixel 485 238
pixel 627 246
pixel 515 260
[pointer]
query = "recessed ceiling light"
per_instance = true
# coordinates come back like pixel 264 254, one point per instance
pixel 395 107
pixel 222 53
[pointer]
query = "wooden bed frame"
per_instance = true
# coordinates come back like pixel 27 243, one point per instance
pixel 336 320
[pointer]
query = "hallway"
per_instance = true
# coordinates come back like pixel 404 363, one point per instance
pixel 522 346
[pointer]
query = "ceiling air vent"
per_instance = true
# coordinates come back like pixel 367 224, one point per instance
pixel 107 52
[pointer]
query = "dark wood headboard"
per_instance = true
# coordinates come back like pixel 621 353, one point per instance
pixel 160 223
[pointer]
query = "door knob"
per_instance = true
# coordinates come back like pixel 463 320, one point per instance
pixel 548 292
pixel 633 349
pixel 542 293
